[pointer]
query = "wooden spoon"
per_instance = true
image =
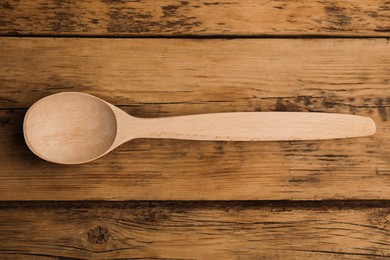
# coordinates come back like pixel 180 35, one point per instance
pixel 73 128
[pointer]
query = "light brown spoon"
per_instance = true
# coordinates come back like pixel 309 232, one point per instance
pixel 73 128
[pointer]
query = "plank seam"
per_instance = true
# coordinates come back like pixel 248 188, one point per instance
pixel 185 36
pixel 209 204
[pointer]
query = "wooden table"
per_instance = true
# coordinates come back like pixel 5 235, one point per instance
pixel 188 199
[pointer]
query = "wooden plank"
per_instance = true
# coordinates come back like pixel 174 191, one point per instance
pixel 155 78
pixel 198 17
pixel 194 231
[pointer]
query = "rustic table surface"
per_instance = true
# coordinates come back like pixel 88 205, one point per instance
pixel 193 199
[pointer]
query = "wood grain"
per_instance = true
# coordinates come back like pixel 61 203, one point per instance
pixel 157 77
pixel 205 230
pixel 168 77
pixel 196 18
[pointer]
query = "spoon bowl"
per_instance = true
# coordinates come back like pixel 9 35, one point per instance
pixel 70 128
pixel 73 127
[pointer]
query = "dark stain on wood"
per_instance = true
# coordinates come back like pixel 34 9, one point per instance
pixel 279 106
pixel 152 215
pixel 382 29
pixel 8 100
pixel 169 10
pixel 337 16
pixel 380 219
pixel 211 3
pixel 306 179
pixel 60 83
pixel 328 103
pixel 94 21
pixel 219 148
pixel 132 20
pixel 4 120
pixel 62 22
pixel 332 157
pixel 382 109
pixel 283 104
pixel 307 100
pixel 6 5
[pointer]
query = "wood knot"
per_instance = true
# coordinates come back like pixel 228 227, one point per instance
pixel 98 235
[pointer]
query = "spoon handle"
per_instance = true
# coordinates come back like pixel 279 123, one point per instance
pixel 258 126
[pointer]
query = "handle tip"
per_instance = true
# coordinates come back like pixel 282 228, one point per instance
pixel 371 126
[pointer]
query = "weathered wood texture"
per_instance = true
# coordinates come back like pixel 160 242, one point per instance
pixel 157 77
pixel 174 17
pixel 195 231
